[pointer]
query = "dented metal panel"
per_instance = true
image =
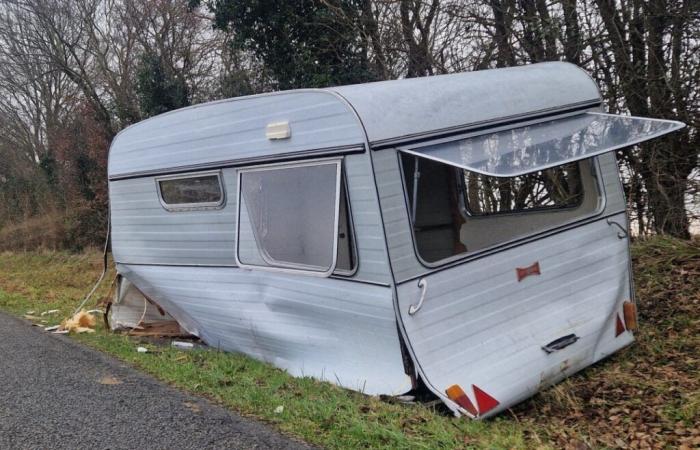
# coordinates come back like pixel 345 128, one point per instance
pixel 335 330
pixel 481 326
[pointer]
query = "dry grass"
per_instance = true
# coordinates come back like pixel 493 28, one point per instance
pixel 43 232
pixel 648 395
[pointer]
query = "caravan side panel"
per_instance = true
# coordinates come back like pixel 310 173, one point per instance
pixel 143 232
pixel 339 331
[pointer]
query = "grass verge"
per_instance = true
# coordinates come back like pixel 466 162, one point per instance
pixel 645 396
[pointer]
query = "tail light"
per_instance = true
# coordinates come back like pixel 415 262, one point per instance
pixel 629 311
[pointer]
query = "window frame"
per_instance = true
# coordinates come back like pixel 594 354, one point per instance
pixel 199 206
pixel 287 267
pixel 462 258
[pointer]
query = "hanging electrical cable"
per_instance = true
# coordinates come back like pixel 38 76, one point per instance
pixel 104 266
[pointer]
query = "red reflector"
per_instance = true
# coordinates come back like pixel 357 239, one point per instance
pixel 457 395
pixel 619 326
pixel 524 272
pixel 485 401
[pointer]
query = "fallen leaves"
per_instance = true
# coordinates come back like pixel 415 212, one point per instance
pixel 635 399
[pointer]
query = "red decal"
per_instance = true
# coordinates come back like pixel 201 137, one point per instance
pixel 619 326
pixel 524 272
pixel 485 401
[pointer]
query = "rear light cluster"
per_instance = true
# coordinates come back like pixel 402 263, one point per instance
pixel 484 401
pixel 629 313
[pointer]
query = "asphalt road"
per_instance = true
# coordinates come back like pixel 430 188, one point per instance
pixel 56 393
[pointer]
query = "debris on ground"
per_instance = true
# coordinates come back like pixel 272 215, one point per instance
pixel 81 322
pixel 158 329
pixel 142 349
pixel 109 380
pixel 279 409
pixel 50 312
pixel 183 345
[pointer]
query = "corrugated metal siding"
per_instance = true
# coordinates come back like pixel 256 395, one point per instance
pixel 480 326
pixel 396 222
pixel 424 105
pixel 339 331
pixel 143 232
pixel 367 221
pixel 233 130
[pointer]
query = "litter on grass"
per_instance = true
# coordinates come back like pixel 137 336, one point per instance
pixel 81 322
pixel 183 345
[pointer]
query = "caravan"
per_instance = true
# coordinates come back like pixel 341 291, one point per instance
pixel 467 231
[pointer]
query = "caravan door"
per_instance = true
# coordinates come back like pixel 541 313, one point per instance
pixel 527 274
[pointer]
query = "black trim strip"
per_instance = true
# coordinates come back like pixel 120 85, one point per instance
pixel 483 125
pixel 334 276
pixel 305 154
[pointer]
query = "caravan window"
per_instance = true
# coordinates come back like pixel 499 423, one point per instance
pixel 289 216
pixel 457 212
pixel 192 191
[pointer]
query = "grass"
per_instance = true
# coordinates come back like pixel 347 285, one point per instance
pixel 645 396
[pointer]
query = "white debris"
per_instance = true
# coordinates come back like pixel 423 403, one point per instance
pixel 142 349
pixel 279 409
pixel 183 345
pixel 51 311
pixel 52 328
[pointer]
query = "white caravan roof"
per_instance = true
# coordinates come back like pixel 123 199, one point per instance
pixel 390 113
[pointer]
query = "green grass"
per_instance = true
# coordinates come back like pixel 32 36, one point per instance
pixel 653 384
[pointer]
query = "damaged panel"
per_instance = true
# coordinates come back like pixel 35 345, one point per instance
pixel 339 331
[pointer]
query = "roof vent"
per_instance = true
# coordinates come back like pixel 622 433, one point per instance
pixel 278 130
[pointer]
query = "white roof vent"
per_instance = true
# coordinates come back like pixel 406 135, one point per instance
pixel 278 130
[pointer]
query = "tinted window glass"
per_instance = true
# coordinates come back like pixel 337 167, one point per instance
pixel 205 189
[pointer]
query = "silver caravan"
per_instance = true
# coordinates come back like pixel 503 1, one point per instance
pixel 465 232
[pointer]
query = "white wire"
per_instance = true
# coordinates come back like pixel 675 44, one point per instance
pixel 104 267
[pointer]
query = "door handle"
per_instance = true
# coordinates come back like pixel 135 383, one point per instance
pixel 423 285
pixel 560 343
pixel 620 234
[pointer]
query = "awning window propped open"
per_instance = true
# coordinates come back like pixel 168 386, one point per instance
pixel 517 151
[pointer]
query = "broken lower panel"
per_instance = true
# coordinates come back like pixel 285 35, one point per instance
pixel 333 330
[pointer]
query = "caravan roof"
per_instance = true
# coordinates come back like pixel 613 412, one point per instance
pixel 347 117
